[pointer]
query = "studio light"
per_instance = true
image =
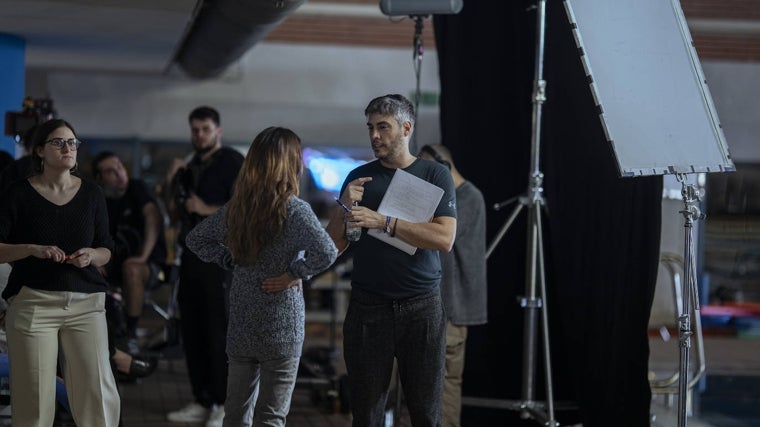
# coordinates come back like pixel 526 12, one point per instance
pixel 420 7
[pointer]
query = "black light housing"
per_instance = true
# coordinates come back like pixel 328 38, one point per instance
pixel 420 7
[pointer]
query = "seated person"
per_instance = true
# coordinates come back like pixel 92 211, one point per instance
pixel 125 366
pixel 5 159
pixel 137 228
pixel 21 167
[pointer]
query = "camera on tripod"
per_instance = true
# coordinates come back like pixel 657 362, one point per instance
pixel 33 112
pixel 183 184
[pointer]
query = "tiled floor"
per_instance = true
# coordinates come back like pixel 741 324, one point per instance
pixel 316 400
pixel 728 397
pixel 146 402
pixel 728 394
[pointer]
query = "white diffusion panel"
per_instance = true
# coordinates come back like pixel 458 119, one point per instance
pixel 651 94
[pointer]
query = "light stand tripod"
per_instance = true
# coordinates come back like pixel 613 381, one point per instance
pixel 417 56
pixel 532 302
pixel 691 212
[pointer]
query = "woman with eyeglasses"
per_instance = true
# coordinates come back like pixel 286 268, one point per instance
pixel 54 231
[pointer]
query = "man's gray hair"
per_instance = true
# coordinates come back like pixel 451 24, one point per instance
pixel 392 105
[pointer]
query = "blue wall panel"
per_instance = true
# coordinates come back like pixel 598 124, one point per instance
pixel 12 50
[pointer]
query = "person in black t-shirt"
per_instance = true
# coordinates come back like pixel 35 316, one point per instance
pixel 464 289
pixel 5 159
pixel 21 167
pixel 205 186
pixel 136 225
pixel 395 309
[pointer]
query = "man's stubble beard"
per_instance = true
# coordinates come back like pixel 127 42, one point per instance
pixel 393 150
pixel 113 192
pixel 200 151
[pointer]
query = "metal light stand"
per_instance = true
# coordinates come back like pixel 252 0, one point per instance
pixel 532 302
pixel 691 213
pixel 417 56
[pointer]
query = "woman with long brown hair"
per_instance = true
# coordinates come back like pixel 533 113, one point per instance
pixel 271 239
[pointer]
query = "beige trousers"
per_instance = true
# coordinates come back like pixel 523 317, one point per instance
pixel 456 337
pixel 36 322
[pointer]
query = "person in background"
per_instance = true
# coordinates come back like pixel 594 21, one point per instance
pixel 464 288
pixel 395 308
pixel 21 167
pixel 5 159
pixel 127 367
pixel 10 172
pixel 54 231
pixel 5 269
pixel 271 239
pixel 200 187
pixel 137 228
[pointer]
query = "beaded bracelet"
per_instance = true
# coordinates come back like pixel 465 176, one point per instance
pixel 395 224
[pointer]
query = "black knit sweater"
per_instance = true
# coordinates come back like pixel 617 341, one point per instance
pixel 28 218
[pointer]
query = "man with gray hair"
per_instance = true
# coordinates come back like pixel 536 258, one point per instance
pixel 395 309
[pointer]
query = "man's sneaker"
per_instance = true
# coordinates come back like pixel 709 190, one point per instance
pixel 217 416
pixel 192 413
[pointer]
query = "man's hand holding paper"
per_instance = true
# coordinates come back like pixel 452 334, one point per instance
pixel 410 199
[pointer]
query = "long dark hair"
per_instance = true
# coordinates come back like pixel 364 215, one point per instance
pixel 270 175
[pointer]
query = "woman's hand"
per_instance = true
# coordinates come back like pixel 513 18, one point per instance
pixel 81 258
pixel 48 252
pixel 280 283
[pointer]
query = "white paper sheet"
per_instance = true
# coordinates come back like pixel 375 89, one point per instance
pixel 409 198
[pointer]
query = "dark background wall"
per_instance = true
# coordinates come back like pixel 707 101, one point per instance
pixel 601 232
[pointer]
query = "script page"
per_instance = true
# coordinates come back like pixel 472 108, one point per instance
pixel 408 198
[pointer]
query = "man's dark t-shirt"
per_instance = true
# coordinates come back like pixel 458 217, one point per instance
pixel 127 224
pixel 212 181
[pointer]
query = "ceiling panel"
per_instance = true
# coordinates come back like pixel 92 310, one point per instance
pixel 132 35
pixel 143 36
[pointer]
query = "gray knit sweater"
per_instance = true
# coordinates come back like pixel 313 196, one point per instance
pixel 267 325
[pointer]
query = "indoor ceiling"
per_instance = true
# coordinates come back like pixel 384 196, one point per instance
pixel 125 35
pixel 147 36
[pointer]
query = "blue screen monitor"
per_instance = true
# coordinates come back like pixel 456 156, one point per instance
pixel 330 166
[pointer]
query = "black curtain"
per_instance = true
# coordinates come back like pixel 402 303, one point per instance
pixel 601 231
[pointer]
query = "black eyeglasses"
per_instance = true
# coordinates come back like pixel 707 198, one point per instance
pixel 58 143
